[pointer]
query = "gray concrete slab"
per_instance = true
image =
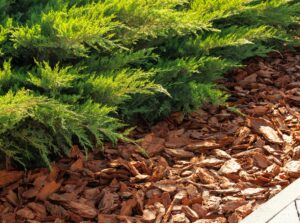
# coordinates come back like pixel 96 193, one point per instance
pixel 267 211
pixel 288 214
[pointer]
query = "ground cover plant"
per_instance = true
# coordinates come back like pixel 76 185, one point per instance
pixel 75 71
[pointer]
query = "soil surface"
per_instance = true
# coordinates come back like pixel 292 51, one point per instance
pixel 215 165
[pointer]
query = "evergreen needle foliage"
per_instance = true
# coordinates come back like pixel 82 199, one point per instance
pixel 74 71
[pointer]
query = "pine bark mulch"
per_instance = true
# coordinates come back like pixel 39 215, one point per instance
pixel 215 165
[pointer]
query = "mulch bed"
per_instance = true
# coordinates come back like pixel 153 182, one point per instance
pixel 215 165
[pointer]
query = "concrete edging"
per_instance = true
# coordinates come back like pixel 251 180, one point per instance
pixel 272 207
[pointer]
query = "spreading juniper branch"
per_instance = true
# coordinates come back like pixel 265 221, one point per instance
pixel 75 71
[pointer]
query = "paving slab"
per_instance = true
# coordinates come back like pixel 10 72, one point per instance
pixel 282 208
pixel 288 214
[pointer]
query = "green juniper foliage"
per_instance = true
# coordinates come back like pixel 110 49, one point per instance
pixel 74 71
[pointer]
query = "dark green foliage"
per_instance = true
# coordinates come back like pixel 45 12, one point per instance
pixel 74 71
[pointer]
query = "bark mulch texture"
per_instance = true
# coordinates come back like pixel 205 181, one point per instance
pixel 215 165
